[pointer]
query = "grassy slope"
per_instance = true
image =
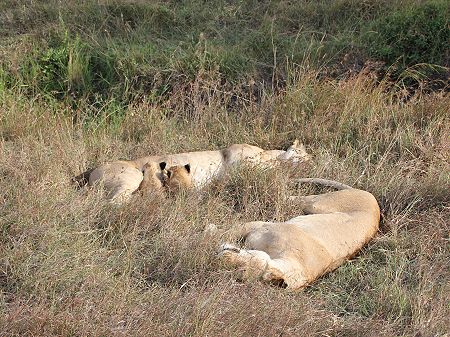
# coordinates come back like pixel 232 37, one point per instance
pixel 70 264
pixel 126 49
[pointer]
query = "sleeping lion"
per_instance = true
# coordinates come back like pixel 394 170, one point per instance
pixel 298 251
pixel 121 178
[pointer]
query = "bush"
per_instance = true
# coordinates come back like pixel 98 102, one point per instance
pixel 127 50
pixel 410 36
pixel 66 67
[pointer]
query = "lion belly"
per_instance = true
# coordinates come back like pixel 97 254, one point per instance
pixel 120 178
pixel 205 165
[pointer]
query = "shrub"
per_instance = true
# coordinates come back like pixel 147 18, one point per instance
pixel 66 67
pixel 412 35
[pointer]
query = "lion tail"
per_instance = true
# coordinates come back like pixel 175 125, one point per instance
pixel 324 182
pixel 82 179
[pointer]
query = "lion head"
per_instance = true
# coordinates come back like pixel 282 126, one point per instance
pixel 154 176
pixel 178 178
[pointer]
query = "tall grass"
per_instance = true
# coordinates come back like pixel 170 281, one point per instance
pixel 71 264
pixel 132 49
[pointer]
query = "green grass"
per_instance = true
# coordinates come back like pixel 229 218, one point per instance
pixel 136 49
pixel 412 35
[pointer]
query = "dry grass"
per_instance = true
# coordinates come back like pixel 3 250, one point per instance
pixel 72 265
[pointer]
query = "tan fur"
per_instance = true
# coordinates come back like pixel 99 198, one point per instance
pixel 121 178
pixel 153 179
pixel 302 249
pixel 178 178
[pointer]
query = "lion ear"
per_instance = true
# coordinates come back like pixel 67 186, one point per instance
pixel 162 165
pixel 188 168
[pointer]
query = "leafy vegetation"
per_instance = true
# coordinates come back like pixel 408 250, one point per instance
pixel 135 49
pixel 413 35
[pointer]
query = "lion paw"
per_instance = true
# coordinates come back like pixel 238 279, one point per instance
pixel 228 247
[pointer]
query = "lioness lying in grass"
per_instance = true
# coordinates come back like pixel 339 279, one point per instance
pixel 122 178
pixel 300 250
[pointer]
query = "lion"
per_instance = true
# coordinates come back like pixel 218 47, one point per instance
pixel 121 178
pixel 154 178
pixel 178 178
pixel 296 252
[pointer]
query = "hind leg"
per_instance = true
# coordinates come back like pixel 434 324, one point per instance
pixel 308 204
pixel 251 263
pixel 255 264
pixel 241 231
pixel 325 203
pixel 120 179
